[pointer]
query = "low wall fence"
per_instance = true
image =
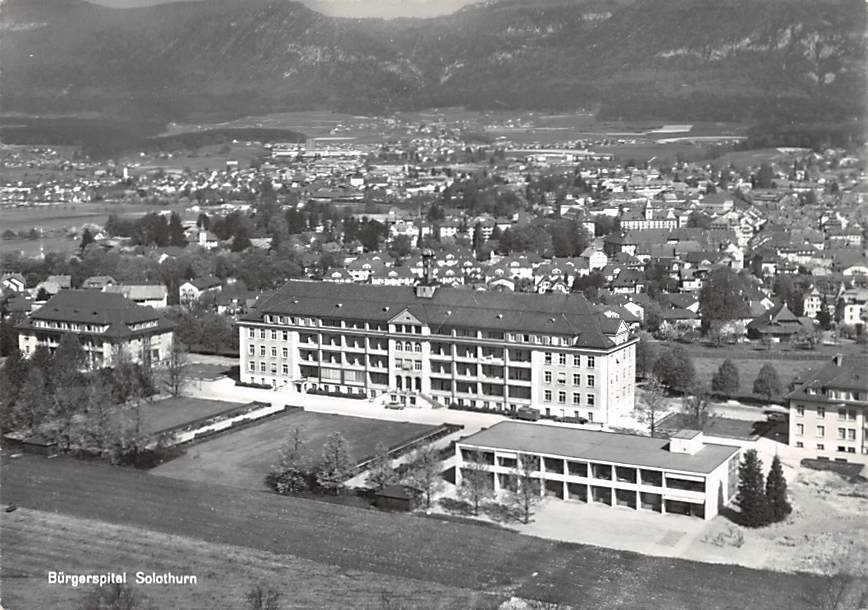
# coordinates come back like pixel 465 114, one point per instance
pixel 406 447
pixel 209 426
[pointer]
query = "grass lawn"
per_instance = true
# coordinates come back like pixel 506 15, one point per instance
pixel 172 412
pixel 198 370
pixel 749 369
pixel 36 542
pixel 244 457
pixel 453 554
pixel 718 426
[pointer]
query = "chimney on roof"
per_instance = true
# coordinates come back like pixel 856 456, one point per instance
pixel 839 359
pixel 427 286
pixel 686 441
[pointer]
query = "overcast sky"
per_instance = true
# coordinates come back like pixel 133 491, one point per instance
pixel 346 8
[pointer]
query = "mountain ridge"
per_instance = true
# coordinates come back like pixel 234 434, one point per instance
pixel 668 59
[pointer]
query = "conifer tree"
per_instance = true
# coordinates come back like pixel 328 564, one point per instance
pixel 776 492
pixel 337 465
pixel 726 379
pixel 751 497
pixel 767 382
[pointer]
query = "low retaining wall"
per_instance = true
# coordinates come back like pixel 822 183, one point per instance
pixel 215 424
pixel 406 447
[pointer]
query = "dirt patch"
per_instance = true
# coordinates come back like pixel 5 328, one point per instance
pixel 827 532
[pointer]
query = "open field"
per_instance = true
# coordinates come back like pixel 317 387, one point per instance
pixel 197 370
pixel 53 217
pixel 719 426
pixel 205 158
pixel 749 369
pixel 171 412
pixel 454 554
pixel 37 542
pixel 244 457
pixel 30 247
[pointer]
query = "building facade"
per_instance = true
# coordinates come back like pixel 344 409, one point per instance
pixel 104 323
pixel 682 475
pixel 828 410
pixel 440 345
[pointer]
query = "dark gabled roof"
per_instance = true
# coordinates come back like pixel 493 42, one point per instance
pixel 681 299
pixel 840 373
pixel 780 319
pixel 98 308
pixel 561 314
pixel 397 492
pixel 204 283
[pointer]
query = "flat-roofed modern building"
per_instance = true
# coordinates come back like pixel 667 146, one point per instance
pixel 828 408
pixel 104 323
pixel 437 345
pixel 683 475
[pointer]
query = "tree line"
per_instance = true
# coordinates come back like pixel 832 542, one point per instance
pixel 57 398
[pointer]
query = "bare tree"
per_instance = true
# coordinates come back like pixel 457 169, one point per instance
pixel 476 480
pixel 31 407
pixel 98 428
pixel 696 406
pixel 290 474
pixel 425 472
pixel 260 598
pixel 529 485
pixel 380 471
pixel 113 597
pixel 130 436
pixel 66 404
pixel 176 371
pixel 652 404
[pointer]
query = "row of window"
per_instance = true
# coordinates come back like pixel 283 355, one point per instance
pixel 843 433
pixel 850 414
pixel 590 361
pixel 265 334
pixel 416 329
pixel 72 326
pixel 822 447
pixel 835 394
pixel 562 379
pixel 585 469
pixel 264 367
pixel 251 351
pixel 562 398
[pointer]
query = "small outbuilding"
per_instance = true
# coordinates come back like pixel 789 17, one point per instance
pixel 401 498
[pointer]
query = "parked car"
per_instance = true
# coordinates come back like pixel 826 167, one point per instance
pixel 776 416
pixel 527 414
pixel 394 405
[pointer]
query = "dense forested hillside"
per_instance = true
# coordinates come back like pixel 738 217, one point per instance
pixel 669 59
